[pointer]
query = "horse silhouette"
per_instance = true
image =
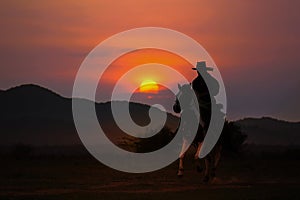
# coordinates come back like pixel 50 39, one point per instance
pixel 184 104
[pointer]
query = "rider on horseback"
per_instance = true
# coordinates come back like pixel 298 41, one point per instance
pixel 205 98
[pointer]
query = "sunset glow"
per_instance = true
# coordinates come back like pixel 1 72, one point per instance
pixel 44 42
pixel 149 86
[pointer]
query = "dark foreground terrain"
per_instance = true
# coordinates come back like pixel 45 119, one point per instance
pixel 43 121
pixel 74 178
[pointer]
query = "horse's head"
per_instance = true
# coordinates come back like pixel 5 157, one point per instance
pixel 184 96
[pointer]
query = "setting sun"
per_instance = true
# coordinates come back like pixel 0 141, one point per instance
pixel 149 86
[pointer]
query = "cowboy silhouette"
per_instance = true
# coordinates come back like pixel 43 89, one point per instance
pixel 200 86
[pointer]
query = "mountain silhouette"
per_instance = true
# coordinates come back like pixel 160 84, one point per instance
pixel 34 115
pixel 31 114
pixel 270 131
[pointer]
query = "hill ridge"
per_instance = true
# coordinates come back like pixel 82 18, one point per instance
pixel 41 119
pixel 267 118
pixel 23 116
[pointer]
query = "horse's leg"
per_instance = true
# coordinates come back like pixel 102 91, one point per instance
pixel 180 169
pixel 181 158
pixel 217 156
pixel 199 145
pixel 208 162
pixel 197 159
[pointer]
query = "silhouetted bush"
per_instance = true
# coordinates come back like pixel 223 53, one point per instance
pixel 232 137
pixel 159 140
pixel 143 145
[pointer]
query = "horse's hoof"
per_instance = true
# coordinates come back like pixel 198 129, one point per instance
pixel 213 174
pixel 205 179
pixel 180 173
pixel 214 180
pixel 199 169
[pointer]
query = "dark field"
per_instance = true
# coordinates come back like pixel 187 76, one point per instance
pixel 85 178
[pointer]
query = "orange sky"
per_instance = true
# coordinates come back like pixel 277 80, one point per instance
pixel 140 57
pixel 254 43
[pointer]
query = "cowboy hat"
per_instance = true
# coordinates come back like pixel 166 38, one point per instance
pixel 202 66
